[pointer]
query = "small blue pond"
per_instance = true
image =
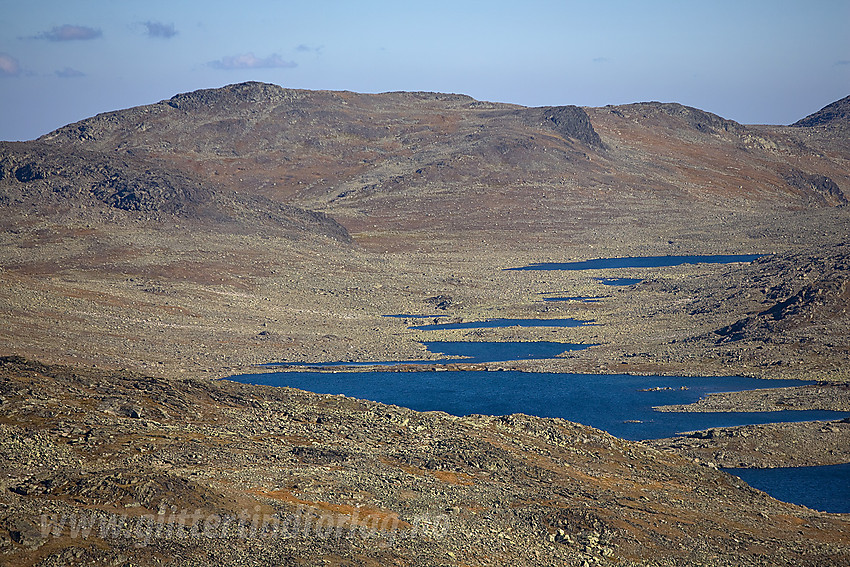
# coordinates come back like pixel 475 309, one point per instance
pixel 502 350
pixel 475 352
pixel 581 298
pixel 494 323
pixel 642 262
pixel 618 281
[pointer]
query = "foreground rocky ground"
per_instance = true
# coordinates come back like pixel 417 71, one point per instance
pixel 823 396
pixel 804 444
pixel 125 469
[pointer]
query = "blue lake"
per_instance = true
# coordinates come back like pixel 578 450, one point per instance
pixel 642 262
pixel 612 402
pixel 617 403
pixel 824 488
pixel 581 298
pixel 494 323
pixel 472 352
pixel 618 281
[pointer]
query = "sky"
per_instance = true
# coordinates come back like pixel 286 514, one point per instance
pixel 753 61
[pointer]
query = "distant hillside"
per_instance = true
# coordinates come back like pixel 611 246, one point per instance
pixel 36 178
pixel 328 210
pixel 837 113
pixel 403 159
pixel 804 302
pixel 240 113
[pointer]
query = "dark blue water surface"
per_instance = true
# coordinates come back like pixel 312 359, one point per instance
pixel 824 488
pixel 618 281
pixel 582 298
pixel 642 262
pixel 493 323
pixel 612 402
pixel 502 351
pixel 474 352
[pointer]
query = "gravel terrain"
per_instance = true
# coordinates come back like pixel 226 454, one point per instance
pixel 117 468
pixel 803 444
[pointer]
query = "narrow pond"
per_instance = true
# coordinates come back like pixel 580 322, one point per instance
pixel 497 323
pixel 471 352
pixel 642 262
pixel 618 281
pixel 579 298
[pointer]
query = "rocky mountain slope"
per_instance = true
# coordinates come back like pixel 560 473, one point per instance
pixel 836 115
pixel 39 179
pixel 784 312
pixel 339 151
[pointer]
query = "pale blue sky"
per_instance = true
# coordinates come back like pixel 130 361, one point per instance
pixel 753 61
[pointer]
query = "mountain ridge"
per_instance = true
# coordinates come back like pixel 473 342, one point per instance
pixel 833 114
pixel 321 149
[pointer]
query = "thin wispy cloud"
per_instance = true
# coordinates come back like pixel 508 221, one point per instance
pixel 304 48
pixel 68 32
pixel 842 63
pixel 600 60
pixel 251 61
pixel 9 66
pixel 69 73
pixel 160 30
